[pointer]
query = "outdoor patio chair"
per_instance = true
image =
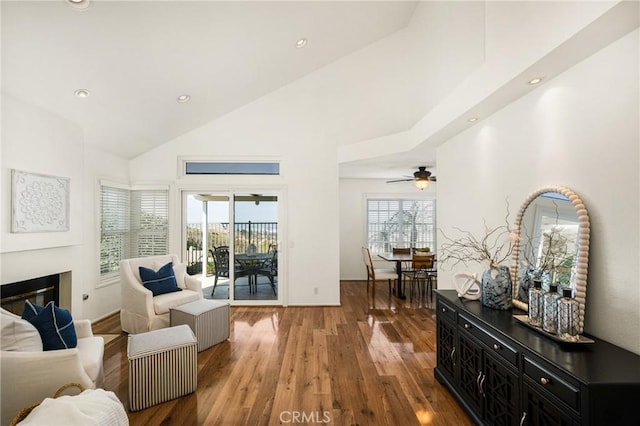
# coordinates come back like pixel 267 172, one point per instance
pixel 220 257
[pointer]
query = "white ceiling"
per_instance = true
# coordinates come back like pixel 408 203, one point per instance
pixel 136 58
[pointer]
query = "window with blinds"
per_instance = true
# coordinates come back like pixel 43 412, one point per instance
pixel 132 224
pixel 400 223
pixel 149 223
pixel 115 210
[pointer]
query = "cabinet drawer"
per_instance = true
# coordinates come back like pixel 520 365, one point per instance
pixel 567 392
pixel 496 345
pixel 446 312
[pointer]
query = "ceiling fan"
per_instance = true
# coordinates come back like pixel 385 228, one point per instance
pixel 422 178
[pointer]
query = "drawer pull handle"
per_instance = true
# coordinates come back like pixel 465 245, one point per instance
pixel 496 347
pixel 524 416
pixel 478 382
pixel 484 376
pixel 467 326
pixel 453 353
pixel 444 309
pixel 544 380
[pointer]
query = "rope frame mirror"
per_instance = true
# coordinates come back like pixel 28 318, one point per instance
pixel 582 258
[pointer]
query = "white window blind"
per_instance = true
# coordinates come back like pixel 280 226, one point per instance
pixel 114 228
pixel 133 224
pixel 149 223
pixel 400 223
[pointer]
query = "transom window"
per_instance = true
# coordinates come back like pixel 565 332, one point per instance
pixel 226 168
pixel 400 223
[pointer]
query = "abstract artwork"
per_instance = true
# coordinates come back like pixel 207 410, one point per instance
pixel 40 203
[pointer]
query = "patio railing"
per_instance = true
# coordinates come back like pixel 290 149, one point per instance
pixel 261 234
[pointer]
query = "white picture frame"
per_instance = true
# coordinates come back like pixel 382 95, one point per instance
pixel 39 203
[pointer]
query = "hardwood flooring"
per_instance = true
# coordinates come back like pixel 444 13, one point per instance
pixel 343 365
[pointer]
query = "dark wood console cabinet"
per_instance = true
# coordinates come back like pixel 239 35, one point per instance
pixel 504 373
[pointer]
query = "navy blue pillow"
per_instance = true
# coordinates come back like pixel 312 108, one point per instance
pixel 54 324
pixel 161 282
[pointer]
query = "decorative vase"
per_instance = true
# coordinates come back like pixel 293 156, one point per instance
pixel 496 288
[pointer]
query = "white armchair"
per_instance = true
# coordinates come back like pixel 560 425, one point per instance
pixel 141 311
pixel 29 374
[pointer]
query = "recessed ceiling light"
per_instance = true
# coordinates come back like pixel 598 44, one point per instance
pixel 535 80
pixel 183 98
pixel 473 119
pixel 79 4
pixel 301 43
pixel 82 93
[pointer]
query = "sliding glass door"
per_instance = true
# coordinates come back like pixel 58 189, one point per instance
pixel 255 247
pixel 231 243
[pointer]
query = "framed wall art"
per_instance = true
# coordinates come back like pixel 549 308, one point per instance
pixel 39 203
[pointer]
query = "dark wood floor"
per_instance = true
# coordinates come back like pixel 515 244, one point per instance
pixel 345 365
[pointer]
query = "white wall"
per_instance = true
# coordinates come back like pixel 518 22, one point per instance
pixel 38 141
pixel 288 126
pixel 103 300
pixel 580 130
pixel 353 213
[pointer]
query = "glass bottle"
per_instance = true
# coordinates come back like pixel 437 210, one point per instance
pixel 550 309
pixel 568 310
pixel 535 303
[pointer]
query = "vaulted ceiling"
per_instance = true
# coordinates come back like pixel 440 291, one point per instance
pixel 401 77
pixel 136 58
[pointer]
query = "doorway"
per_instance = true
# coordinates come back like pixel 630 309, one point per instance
pixel 231 243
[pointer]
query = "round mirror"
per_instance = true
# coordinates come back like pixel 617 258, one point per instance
pixel 551 244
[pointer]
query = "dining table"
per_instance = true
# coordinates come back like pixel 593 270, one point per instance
pixel 251 263
pixel 398 258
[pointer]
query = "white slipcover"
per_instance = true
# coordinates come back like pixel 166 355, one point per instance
pixel 141 312
pixel 29 374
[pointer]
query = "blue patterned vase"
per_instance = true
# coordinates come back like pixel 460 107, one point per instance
pixel 496 288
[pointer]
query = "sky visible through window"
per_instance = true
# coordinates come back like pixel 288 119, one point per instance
pixel 266 211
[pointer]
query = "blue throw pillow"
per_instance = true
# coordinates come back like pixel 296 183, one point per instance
pixel 161 282
pixel 54 324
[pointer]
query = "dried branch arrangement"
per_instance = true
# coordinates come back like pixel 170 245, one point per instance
pixel 493 248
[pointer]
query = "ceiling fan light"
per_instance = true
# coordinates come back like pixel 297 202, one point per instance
pixel 422 183
pixel 79 4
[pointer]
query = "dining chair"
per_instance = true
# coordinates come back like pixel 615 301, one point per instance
pixel 270 268
pixel 405 265
pixel 420 275
pixel 374 274
pixel 220 257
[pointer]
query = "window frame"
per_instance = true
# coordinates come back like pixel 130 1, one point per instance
pixel 127 244
pixel 376 246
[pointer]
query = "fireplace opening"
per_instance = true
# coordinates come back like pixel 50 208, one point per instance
pixel 38 291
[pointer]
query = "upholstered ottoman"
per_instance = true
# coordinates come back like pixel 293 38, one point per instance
pixel 163 365
pixel 209 320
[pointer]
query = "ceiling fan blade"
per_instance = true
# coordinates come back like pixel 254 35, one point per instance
pixel 432 178
pixel 401 180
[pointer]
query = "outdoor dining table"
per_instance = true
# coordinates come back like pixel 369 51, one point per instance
pixel 252 262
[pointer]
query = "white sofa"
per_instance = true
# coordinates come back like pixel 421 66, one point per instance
pixel 29 374
pixel 141 311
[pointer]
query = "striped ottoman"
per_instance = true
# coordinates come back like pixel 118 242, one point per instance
pixel 163 365
pixel 209 320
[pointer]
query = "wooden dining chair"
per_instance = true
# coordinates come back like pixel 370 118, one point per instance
pixel 405 265
pixel 374 274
